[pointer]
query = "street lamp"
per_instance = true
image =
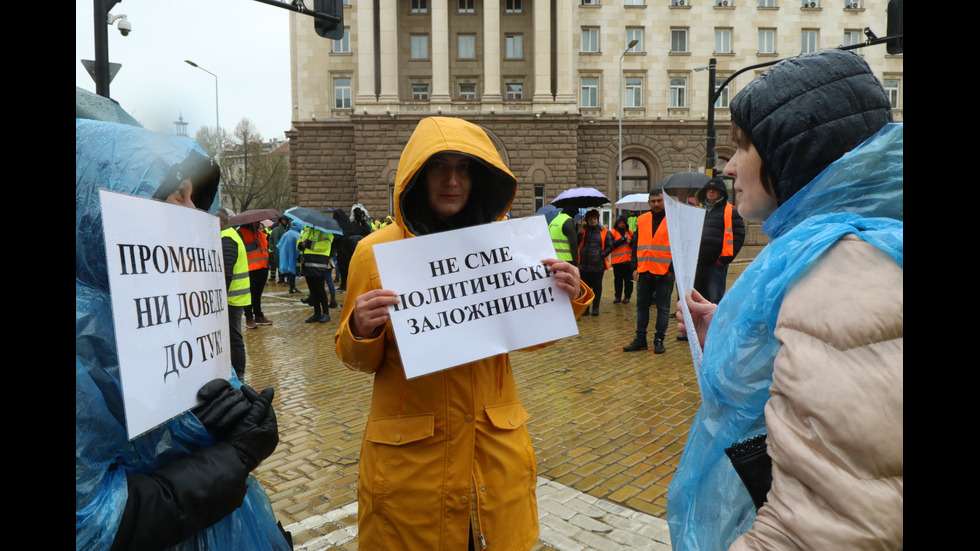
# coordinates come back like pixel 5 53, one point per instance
pixel 217 127
pixel 619 169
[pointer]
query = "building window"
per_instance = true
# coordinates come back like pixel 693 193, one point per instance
pixel 590 2
pixel 514 6
pixel 724 3
pixel 341 45
pixel 767 41
pixel 514 90
pixel 590 92
pixel 341 93
pixel 635 2
pixel 852 4
pixel 590 40
pixel 465 6
pixel 767 3
pixel 678 92
pixel 538 197
pixel 467 91
pixel 891 88
pixel 634 92
pixel 723 94
pixel 723 41
pixel 680 2
pixel 811 3
pixel 632 34
pixel 678 41
pixel 467 46
pixel 420 6
pixel 852 37
pixel 420 91
pixel 420 46
pixel 809 41
pixel 514 46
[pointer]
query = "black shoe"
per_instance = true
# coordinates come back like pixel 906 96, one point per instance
pixel 314 317
pixel 305 300
pixel 682 337
pixel 324 318
pixel 637 344
pixel 658 345
pixel 333 303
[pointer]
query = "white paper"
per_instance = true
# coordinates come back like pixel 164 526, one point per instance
pixel 473 293
pixel 684 224
pixel 169 307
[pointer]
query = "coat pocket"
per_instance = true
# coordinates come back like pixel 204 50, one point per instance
pixel 400 430
pixel 507 416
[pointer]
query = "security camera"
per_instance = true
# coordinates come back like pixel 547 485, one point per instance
pixel 125 27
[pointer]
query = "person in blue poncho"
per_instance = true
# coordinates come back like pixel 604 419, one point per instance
pixel 185 484
pixel 289 255
pixel 803 358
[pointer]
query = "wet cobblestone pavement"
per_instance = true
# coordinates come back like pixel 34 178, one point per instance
pixel 608 427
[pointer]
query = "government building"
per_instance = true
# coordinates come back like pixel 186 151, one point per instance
pixel 553 83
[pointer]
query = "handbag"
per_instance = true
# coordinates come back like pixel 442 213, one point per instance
pixel 753 466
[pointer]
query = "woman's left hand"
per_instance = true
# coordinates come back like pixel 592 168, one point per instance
pixel 566 276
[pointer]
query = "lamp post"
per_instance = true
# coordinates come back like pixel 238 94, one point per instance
pixel 217 124
pixel 619 169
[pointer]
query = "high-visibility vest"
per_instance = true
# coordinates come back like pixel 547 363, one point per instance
pixel 258 258
pixel 316 260
pixel 728 240
pixel 652 250
pixel 239 293
pixel 622 253
pixel 631 222
pixel 558 239
pixel 602 243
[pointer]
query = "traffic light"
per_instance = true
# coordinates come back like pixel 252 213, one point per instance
pixel 331 26
pixel 895 27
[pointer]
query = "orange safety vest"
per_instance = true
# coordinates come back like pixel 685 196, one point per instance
pixel 728 240
pixel 624 252
pixel 602 241
pixel 652 250
pixel 259 258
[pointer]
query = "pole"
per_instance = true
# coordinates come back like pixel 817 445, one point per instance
pixel 100 16
pixel 709 161
pixel 619 169
pixel 217 123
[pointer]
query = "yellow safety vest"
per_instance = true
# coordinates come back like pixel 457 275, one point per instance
pixel 558 239
pixel 239 293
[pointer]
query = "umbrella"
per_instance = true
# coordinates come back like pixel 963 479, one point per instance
pixel 316 219
pixel 684 180
pixel 635 201
pixel 252 215
pixel 580 197
pixel 549 212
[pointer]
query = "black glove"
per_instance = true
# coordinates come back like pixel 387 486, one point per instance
pixel 257 434
pixel 223 407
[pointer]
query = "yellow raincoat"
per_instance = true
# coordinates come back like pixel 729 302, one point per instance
pixel 448 450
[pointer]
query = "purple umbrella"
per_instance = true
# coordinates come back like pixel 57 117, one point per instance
pixel 580 197
pixel 254 215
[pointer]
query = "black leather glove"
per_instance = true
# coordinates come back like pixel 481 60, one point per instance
pixel 223 407
pixel 257 434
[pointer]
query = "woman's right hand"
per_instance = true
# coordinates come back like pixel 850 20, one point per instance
pixel 701 313
pixel 371 312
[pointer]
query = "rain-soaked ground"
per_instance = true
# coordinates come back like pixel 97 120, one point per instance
pixel 607 424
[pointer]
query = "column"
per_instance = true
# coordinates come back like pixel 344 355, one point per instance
pixel 566 79
pixel 388 16
pixel 491 53
pixel 364 42
pixel 440 53
pixel 542 54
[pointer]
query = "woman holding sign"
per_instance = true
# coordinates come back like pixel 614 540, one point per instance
pixel 446 459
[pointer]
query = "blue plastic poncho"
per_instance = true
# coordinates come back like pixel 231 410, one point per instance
pixel 862 193
pixel 132 160
pixel 288 254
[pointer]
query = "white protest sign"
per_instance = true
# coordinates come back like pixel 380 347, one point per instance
pixel 167 283
pixel 684 225
pixel 473 293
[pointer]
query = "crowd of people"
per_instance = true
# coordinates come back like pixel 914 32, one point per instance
pixel 798 441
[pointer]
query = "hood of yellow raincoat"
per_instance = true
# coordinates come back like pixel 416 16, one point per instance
pixel 494 186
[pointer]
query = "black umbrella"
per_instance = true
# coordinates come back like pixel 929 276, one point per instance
pixel 252 215
pixel 549 212
pixel 684 180
pixel 315 218
pixel 580 197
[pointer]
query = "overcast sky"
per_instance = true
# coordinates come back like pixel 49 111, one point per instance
pixel 245 43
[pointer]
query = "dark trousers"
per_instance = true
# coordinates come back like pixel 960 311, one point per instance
pixel 256 284
pixel 237 341
pixel 710 279
pixel 318 294
pixel 657 290
pixel 290 279
pixel 594 281
pixel 623 280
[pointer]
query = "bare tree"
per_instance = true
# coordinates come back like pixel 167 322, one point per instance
pixel 207 138
pixel 253 174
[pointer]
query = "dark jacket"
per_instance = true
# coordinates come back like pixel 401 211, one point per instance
pixel 593 249
pixel 713 231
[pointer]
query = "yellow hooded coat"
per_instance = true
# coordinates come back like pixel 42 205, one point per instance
pixel 448 450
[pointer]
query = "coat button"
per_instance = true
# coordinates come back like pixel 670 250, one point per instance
pixel 464 500
pixel 469 418
pixel 512 422
pixel 398 438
